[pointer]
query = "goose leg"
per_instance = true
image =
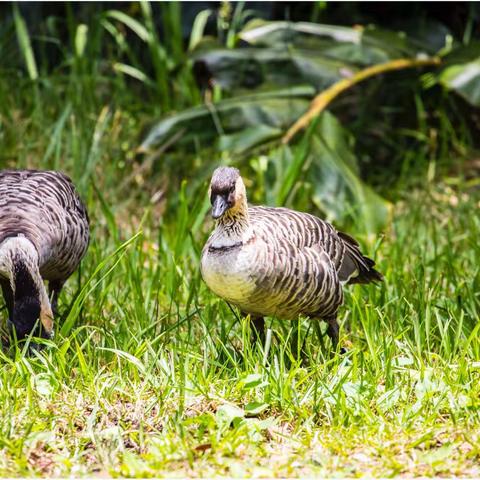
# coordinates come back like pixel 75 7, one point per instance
pixel 54 289
pixel 333 333
pixel 333 330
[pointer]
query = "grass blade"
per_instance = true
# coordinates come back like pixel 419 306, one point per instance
pixel 25 44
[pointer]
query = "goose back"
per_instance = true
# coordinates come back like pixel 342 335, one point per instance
pixel 45 207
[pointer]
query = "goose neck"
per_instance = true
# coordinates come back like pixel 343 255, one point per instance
pixel 234 222
pixel 233 229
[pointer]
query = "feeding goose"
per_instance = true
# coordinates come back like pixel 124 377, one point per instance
pixel 276 261
pixel 44 233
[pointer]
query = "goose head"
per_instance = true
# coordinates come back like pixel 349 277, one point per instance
pixel 29 302
pixel 227 192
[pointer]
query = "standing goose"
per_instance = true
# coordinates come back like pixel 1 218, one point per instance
pixel 276 261
pixel 44 233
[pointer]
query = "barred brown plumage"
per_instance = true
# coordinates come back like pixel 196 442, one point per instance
pixel 44 233
pixel 276 261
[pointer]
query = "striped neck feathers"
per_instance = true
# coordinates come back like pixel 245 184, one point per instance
pixel 19 264
pixel 233 228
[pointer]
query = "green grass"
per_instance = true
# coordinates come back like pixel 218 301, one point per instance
pixel 153 375
pixel 150 374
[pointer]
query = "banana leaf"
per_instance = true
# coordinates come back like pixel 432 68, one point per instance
pixel 338 188
pixel 272 33
pixel 361 45
pixel 324 165
pixel 284 54
pixel 462 72
pixel 464 79
pixel 253 67
pixel 271 111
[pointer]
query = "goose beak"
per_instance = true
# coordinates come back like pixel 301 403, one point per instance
pixel 46 317
pixel 219 206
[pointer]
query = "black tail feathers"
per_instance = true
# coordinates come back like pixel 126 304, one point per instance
pixel 356 268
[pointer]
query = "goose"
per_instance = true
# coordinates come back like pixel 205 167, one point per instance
pixel 278 262
pixel 44 233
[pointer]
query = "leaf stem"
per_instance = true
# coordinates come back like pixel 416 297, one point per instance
pixel 323 99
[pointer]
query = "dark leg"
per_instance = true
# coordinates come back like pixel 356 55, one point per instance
pixel 54 289
pixel 294 340
pixel 333 330
pixel 258 324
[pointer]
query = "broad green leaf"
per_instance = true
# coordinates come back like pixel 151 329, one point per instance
pixel 244 140
pixel 324 161
pixel 388 400
pixel 464 79
pixel 255 408
pixel 352 45
pixel 274 110
pixel 462 54
pixel 427 34
pixel 227 413
pixel 252 67
pixel 438 456
pixel 251 381
pixel 286 53
pixel 391 44
pixel 262 424
pixel 260 32
pixel 43 384
pixel 293 162
pixel 339 190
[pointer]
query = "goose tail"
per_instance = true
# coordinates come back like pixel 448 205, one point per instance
pixel 356 268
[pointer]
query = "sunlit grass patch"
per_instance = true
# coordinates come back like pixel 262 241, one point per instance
pixel 150 374
pixel 151 378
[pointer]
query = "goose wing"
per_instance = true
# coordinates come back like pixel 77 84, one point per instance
pixel 305 231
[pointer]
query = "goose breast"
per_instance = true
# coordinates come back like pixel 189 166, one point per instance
pixel 271 275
